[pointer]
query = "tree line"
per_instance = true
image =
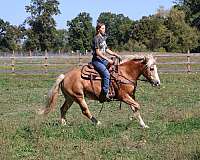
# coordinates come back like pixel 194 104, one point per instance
pixel 174 30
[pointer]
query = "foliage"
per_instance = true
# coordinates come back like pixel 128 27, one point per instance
pixel 80 32
pixel 151 32
pixel 118 29
pixel 192 11
pixel 10 36
pixel 42 31
pixel 61 40
pixel 174 30
pixel 182 36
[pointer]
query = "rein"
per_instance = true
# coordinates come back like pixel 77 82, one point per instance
pixel 126 81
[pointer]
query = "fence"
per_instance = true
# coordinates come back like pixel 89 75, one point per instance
pixel 167 63
pixel 179 62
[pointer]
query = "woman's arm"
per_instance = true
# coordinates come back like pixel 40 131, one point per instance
pixel 112 53
pixel 100 54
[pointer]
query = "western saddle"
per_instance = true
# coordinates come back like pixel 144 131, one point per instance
pixel 89 73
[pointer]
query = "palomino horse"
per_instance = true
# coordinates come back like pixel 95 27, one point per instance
pixel 75 88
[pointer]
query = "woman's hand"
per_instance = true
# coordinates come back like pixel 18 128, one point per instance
pixel 119 57
pixel 110 61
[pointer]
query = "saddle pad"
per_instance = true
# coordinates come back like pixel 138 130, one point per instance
pixel 88 72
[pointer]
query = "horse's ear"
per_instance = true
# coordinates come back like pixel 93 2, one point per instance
pixel 145 60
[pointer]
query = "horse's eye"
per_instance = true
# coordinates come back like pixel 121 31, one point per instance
pixel 151 69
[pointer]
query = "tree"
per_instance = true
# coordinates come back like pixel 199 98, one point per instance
pixel 42 24
pixel 151 32
pixel 192 11
pixel 4 42
pixel 183 37
pixel 10 36
pixel 31 40
pixel 118 28
pixel 81 32
pixel 61 40
pixel 192 14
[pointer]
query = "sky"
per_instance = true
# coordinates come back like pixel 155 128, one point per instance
pixel 14 12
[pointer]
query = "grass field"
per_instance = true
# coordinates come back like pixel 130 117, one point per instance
pixel 172 113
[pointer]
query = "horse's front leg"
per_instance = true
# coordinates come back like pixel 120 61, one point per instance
pixel 139 118
pixel 135 108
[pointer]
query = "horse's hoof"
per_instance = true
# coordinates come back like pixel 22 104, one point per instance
pixel 98 123
pixel 40 111
pixel 145 126
pixel 63 122
pixel 131 118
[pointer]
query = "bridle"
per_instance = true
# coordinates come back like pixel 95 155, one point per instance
pixel 132 82
pixel 145 69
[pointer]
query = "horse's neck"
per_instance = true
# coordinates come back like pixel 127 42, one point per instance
pixel 131 69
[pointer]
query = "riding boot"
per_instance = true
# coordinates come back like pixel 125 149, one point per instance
pixel 104 97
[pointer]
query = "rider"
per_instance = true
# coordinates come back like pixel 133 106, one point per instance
pixel 100 61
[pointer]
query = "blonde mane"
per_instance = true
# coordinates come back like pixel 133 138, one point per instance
pixel 137 57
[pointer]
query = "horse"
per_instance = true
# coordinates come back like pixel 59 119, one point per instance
pixel 75 88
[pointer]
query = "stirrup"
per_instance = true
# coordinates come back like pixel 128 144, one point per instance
pixel 104 98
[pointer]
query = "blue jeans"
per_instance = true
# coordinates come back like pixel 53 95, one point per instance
pixel 100 67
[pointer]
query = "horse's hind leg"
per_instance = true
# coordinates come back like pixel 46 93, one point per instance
pixel 63 110
pixel 85 110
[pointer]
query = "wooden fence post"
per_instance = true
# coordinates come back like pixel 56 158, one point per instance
pixel 79 57
pixel 188 62
pixel 46 61
pixel 13 62
pixel 30 54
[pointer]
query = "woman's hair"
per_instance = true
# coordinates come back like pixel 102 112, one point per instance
pixel 99 25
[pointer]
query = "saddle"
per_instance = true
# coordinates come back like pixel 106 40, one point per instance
pixel 89 73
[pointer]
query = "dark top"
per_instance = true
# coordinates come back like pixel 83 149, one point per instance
pixel 99 42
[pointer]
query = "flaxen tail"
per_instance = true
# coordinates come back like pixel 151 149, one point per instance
pixel 52 96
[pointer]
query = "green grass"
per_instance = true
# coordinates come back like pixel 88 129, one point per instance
pixel 172 112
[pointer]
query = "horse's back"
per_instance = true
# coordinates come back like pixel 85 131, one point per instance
pixel 75 72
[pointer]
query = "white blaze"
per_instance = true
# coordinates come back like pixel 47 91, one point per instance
pixel 154 73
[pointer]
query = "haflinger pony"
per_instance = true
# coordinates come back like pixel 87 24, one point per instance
pixel 124 80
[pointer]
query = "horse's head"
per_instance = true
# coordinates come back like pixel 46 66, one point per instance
pixel 150 70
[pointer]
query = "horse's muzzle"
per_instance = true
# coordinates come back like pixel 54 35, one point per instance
pixel 155 83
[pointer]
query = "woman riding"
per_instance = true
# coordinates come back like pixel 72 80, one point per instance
pixel 100 61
